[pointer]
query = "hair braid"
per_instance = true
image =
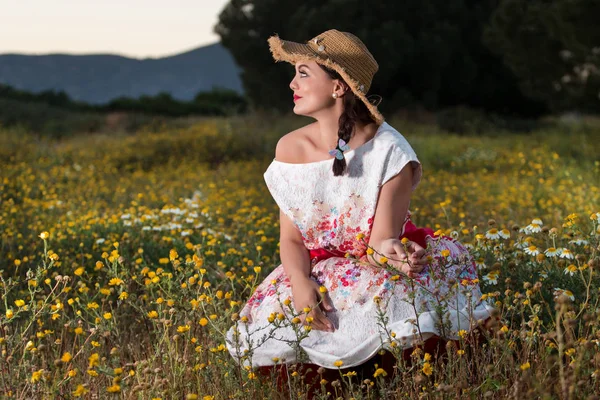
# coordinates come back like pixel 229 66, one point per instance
pixel 354 111
pixel 345 131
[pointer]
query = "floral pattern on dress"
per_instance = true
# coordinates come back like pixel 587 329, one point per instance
pixel 331 229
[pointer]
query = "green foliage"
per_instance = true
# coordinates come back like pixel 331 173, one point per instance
pixel 53 113
pixel 429 53
pixel 466 120
pixel 553 47
pixel 50 120
pixel 218 102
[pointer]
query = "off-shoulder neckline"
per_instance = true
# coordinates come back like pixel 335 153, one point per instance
pixel 351 151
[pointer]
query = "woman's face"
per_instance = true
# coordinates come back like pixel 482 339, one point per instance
pixel 313 89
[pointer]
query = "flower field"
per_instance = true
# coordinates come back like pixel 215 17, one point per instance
pixel 124 259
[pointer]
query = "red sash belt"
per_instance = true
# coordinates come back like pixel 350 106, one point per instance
pixel 411 232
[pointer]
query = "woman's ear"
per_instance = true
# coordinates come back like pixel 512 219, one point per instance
pixel 340 87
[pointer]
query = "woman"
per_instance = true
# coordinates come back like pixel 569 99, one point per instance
pixel 343 186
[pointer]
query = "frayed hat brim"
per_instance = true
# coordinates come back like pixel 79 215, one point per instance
pixel 292 52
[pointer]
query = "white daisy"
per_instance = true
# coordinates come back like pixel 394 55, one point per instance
pixel 454 235
pixel 100 240
pixel 522 243
pixel 480 263
pixel 571 270
pixel 125 216
pixel 127 223
pixel 579 242
pixel 544 274
pixel 535 226
pixel 532 250
pixel 504 233
pixel 568 293
pixel 492 277
pixel 595 216
pixel 189 220
pixel 552 252
pixel 174 210
pixel 566 253
pixel 492 234
pixel 146 228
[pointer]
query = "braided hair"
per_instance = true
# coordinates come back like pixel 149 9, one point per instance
pixel 354 111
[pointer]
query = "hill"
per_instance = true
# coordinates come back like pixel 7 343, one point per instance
pixel 100 78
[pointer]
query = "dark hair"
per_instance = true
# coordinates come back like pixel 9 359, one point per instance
pixel 354 111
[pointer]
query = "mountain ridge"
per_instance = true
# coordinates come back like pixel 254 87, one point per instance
pixel 99 78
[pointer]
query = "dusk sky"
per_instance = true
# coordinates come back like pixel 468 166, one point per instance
pixel 133 28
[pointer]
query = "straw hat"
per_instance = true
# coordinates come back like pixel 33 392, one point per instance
pixel 341 51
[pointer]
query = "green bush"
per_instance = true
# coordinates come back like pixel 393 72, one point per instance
pixel 467 121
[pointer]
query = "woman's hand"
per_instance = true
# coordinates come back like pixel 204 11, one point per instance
pixel 410 261
pixel 305 293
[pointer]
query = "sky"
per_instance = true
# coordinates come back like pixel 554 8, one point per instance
pixel 132 28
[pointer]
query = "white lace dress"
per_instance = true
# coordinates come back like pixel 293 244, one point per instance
pixel 330 212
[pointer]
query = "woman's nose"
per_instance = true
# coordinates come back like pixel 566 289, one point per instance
pixel 293 84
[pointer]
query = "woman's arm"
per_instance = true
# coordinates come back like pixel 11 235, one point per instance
pixel 295 257
pixel 390 213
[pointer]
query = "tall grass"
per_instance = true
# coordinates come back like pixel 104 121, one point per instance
pixel 124 258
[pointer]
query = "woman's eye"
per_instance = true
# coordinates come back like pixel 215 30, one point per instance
pixel 302 73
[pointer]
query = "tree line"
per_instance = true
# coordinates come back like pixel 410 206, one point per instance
pixel 512 57
pixel 219 102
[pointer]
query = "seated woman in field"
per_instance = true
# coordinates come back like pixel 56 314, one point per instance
pixel 357 276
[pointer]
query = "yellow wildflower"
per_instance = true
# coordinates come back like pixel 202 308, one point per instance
pixel 113 389
pixel 80 391
pixel 36 376
pixel 115 282
pixel 427 370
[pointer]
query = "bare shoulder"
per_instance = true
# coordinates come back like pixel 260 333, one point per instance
pixel 293 146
